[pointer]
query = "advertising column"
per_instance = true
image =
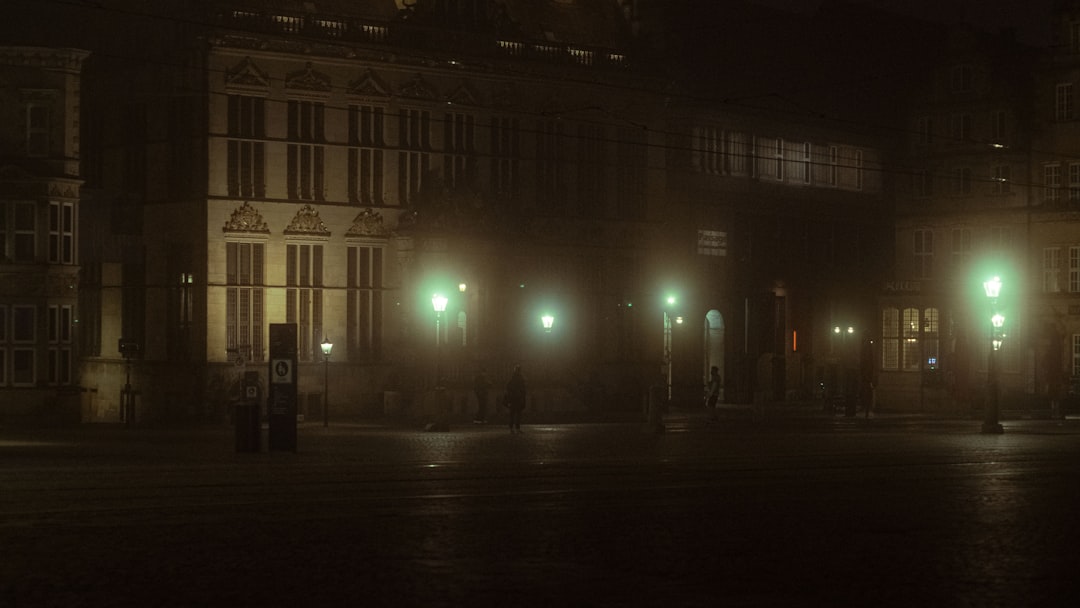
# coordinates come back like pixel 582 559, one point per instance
pixel 281 407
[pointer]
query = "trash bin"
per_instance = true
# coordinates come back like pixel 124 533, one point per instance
pixel 247 426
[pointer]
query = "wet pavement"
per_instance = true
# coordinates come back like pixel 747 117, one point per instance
pixel 759 509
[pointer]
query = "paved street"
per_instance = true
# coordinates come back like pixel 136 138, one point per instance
pixel 903 511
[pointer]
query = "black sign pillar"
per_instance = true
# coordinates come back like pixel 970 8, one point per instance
pixel 281 406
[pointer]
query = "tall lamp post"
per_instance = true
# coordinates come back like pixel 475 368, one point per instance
pixel 438 302
pixel 326 346
pixel 992 287
pixel 667 341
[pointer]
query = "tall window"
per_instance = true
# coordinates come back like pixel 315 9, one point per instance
pixel 1074 37
pixel 859 176
pixel 459 141
pixel 59 353
pixel 999 126
pixel 1051 181
pixel 1063 102
pixel 709 149
pixel 890 338
pixel 304 297
pixel 365 171
pixel 61 233
pixel 505 156
pixel 962 180
pixel 244 272
pixel 1001 176
pixel 778 153
pixel 1074 181
pixel 807 163
pixel 23 337
pixel 246 129
pixel 740 153
pixel 305 158
pixel 549 158
pixel 961 248
pixel 1051 270
pixel 834 165
pixel 21 238
pixel 924 253
pixel 910 337
pixel 1076 355
pixel 414 158
pixel 1074 269
pixel 960 127
pixel 592 177
pixel 923 183
pixel 365 302
pixel 37 130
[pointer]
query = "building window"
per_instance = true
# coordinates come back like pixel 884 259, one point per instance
pixel 962 181
pixel 1074 181
pixel 1074 269
pixel 778 155
pixel 365 302
pixel 365 171
pixel 246 126
pixel 181 305
pixel 244 314
pixel 305 160
pixel 930 357
pixel 1001 238
pixel 1076 355
pixel 960 248
pixel 924 253
pixel 24 233
pixel 59 353
pixel 1051 181
pixel 23 337
pixel 709 150
pixel 37 130
pixel 999 127
pixel 923 183
pixel 1051 267
pixel 505 156
pixel 890 338
pixel 1001 176
pixel 459 141
pixel 834 162
pixel 739 154
pixel 1063 102
pixel 807 163
pixel 304 297
pixel 591 174
pixel 858 169
pixel 414 159
pixel 549 158
pixel 61 233
pixel 960 127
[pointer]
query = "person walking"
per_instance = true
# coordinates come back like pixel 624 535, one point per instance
pixel 481 384
pixel 515 399
pixel 712 395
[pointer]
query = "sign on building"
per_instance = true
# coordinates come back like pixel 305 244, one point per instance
pixel 712 242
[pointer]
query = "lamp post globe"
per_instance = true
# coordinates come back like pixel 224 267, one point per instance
pixel 991 425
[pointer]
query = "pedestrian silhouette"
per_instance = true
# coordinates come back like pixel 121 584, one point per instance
pixel 481 384
pixel 515 399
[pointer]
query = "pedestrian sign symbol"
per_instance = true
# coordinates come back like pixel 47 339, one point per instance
pixel 282 372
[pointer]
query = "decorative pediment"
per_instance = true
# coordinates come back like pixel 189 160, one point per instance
pixel 246 219
pixel 247 74
pixel 368 85
pixel 464 95
pixel 307 222
pixel 308 79
pixel 368 223
pixel 418 88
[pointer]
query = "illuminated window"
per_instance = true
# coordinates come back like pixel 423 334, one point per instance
pixel 364 306
pixel 244 316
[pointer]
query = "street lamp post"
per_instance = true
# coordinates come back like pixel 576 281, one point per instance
pixel 326 346
pixel 667 342
pixel 438 302
pixel 990 425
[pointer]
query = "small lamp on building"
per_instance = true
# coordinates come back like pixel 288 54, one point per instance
pixel 327 347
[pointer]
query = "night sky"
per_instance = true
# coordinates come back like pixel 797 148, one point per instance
pixel 1030 17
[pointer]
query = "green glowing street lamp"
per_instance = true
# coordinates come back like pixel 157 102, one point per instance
pixel 438 303
pixel 326 346
pixel 547 321
pixel 990 425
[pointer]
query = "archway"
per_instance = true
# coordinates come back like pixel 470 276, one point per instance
pixel 714 346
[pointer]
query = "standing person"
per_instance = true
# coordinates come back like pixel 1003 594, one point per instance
pixel 713 395
pixel 481 384
pixel 515 399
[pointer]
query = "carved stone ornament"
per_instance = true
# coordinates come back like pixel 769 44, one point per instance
pixel 247 74
pixel 464 96
pixel 417 88
pixel 246 219
pixel 368 85
pixel 307 221
pixel 308 79
pixel 368 223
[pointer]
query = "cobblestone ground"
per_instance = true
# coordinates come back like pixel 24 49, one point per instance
pixel 795 513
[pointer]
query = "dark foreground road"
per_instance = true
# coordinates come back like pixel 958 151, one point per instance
pixel 823 513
